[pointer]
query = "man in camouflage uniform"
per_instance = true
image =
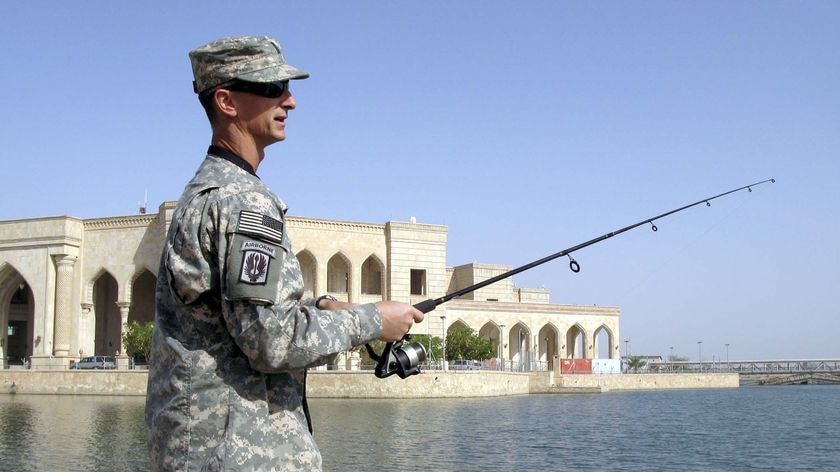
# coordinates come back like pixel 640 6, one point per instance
pixel 233 336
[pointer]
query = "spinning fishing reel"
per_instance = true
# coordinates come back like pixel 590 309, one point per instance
pixel 399 358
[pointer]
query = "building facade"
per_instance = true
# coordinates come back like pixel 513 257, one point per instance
pixel 69 287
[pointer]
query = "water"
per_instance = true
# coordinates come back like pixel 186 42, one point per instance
pixel 790 428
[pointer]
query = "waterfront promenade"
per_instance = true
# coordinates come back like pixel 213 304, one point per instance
pixel 363 384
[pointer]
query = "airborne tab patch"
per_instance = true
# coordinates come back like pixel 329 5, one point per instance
pixel 257 224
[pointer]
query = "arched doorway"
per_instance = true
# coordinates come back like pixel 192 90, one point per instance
pixel 142 309
pixel 308 267
pixel 576 342
pixel 548 347
pixel 338 277
pixel 451 353
pixel 604 343
pixel 17 318
pixel 372 276
pixel 493 333
pixel 108 330
pixel 519 347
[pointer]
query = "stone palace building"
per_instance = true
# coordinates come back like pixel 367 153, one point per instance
pixel 69 286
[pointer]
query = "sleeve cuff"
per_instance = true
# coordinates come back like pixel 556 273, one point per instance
pixel 370 323
pixel 308 301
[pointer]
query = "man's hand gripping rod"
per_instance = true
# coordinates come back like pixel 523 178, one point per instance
pixel 405 361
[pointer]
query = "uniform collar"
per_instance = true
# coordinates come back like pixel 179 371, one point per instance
pixel 228 155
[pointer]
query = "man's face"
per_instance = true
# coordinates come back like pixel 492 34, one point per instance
pixel 263 118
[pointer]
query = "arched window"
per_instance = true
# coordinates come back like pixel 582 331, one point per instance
pixel 308 267
pixel 372 275
pixel 338 275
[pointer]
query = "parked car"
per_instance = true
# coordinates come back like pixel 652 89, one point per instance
pixel 96 362
pixel 462 364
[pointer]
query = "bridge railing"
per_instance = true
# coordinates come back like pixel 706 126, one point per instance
pixel 749 366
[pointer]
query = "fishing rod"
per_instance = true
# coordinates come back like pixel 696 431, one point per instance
pixel 404 359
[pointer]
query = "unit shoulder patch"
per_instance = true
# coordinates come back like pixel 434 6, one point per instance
pixel 254 268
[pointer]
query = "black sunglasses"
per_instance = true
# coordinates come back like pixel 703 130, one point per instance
pixel 268 89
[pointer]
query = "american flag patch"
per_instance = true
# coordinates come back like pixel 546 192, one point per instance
pixel 258 224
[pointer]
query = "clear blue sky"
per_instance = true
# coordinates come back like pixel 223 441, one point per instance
pixel 525 127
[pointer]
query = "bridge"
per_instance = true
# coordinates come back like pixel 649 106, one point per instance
pixel 763 372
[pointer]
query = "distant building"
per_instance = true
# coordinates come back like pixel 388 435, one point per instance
pixel 68 286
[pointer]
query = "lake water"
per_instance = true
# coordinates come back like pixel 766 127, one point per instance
pixel 788 428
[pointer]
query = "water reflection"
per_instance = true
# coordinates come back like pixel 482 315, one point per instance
pixel 68 432
pixel 18 423
pixel 759 428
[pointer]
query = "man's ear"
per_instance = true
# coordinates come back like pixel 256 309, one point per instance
pixel 225 103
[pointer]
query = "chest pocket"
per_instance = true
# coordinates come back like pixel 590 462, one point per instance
pixel 257 252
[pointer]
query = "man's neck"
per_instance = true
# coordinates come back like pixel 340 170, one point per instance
pixel 245 148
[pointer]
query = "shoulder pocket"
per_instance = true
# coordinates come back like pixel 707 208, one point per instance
pixel 253 268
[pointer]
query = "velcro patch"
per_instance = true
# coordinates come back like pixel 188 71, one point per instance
pixel 254 268
pixel 257 224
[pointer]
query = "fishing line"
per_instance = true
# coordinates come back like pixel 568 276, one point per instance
pixel 682 250
pixel 404 359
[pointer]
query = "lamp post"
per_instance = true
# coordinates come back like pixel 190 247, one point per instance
pixel 502 345
pixel 700 355
pixel 547 354
pixel 671 358
pixel 727 356
pixel 627 354
pixel 443 332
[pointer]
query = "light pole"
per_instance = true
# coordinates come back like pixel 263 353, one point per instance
pixel 443 332
pixel 671 358
pixel 502 345
pixel 627 354
pixel 727 356
pixel 700 355
pixel 548 354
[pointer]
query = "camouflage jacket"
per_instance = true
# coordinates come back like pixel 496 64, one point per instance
pixel 233 335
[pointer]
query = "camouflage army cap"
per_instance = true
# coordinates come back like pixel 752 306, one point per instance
pixel 249 58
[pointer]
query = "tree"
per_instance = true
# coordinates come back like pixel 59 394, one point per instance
pixel 464 343
pixel 138 339
pixel 635 363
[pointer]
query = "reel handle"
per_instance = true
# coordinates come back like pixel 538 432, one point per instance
pixel 387 363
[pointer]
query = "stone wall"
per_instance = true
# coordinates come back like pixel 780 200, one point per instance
pixel 73 382
pixel 608 382
pixel 363 384
pixel 431 384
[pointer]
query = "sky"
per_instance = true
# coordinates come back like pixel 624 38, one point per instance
pixel 524 127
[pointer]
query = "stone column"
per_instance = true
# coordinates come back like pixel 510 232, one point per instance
pixel 63 295
pixel 87 308
pixel 124 307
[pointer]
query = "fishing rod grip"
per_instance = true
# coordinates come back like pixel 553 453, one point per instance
pixel 426 305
